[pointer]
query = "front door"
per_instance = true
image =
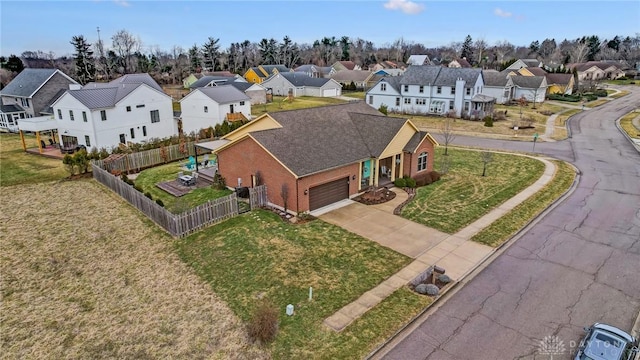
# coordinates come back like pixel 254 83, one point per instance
pixel 231 108
pixel 122 139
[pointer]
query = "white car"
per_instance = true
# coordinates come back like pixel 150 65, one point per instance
pixel 606 342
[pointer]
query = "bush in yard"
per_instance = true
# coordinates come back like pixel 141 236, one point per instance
pixel 137 187
pixel 219 182
pixel 600 93
pixel 411 183
pixel 69 164
pixel 400 182
pixel 435 176
pixel 159 202
pixel 148 194
pixel 384 109
pixel 488 121
pixel 81 160
pixel 263 325
pixel 423 179
pixel 445 279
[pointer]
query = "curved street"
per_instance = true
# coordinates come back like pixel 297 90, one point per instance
pixel 577 265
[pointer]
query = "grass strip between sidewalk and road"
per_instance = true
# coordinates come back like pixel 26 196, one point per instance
pixel 626 123
pixel 505 227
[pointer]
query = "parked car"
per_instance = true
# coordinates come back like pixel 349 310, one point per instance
pixel 606 342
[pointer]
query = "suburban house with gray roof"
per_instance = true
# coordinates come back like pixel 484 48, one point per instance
pixel 532 88
pixel 315 71
pixel 299 84
pixel 360 78
pixel 314 157
pixel 256 92
pixel 433 90
pixel 130 109
pixel 208 106
pixel 498 85
pixel 524 63
pixel 30 94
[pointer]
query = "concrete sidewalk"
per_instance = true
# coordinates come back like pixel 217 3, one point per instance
pixel 456 253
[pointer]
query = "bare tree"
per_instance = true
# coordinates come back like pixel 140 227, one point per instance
pixel 579 52
pixel 447 133
pixel 125 45
pixel 486 158
pixel 481 46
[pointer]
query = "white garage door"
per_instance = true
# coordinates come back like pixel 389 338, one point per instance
pixel 329 92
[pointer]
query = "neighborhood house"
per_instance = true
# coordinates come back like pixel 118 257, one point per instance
pixel 205 107
pixel 312 158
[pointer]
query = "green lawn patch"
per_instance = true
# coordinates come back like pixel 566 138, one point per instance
pixel 620 94
pixel 627 124
pixel 355 94
pixel 505 227
pixel 19 167
pixel 281 103
pixel 148 179
pixel 257 255
pixel 463 195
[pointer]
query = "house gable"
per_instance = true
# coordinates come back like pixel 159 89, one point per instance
pixel 400 140
pixel 264 122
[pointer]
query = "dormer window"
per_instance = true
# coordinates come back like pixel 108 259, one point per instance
pixel 406 88
pixel 383 87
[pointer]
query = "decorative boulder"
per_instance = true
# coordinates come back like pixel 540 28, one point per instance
pixel 432 290
pixel 445 279
pixel 421 289
pixel 427 289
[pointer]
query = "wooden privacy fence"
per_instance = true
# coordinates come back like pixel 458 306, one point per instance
pixel 183 224
pixel 145 159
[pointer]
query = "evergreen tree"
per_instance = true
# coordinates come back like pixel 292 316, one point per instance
pixel 194 59
pixel 210 52
pixel 534 47
pixel 593 43
pixel 344 41
pixel 84 61
pixel 467 50
pixel 13 64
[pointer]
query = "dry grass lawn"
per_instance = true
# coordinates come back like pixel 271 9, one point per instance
pixel 84 276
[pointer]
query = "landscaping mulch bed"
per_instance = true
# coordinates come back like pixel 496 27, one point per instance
pixel 374 196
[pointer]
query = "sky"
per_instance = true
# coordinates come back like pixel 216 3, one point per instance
pixel 49 25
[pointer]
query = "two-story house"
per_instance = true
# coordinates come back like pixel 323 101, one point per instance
pixel 29 94
pixel 130 109
pixel 432 89
pixel 260 73
pixel 207 106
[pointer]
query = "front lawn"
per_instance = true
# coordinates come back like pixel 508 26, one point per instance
pixel 257 255
pixel 463 195
pixel 19 167
pixel 148 179
pixel 505 227
pixel 281 103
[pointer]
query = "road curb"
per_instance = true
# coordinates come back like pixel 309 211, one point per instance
pixel 480 266
pixel 635 145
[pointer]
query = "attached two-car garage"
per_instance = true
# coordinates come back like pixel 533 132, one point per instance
pixel 328 193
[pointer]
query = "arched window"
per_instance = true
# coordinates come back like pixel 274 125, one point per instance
pixel 423 161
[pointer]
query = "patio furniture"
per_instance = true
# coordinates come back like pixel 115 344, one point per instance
pixel 186 180
pixel 205 160
pixel 191 164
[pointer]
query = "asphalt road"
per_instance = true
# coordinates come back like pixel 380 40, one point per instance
pixel 577 265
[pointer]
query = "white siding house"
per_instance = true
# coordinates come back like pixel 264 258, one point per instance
pixel 130 109
pixel 498 85
pixel 532 88
pixel 429 89
pixel 205 107
pixel 301 84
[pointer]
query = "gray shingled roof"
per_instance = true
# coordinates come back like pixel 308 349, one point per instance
pixel 11 108
pixel 394 81
pixel 448 76
pixel 321 138
pixel 27 82
pixel 351 75
pixel 420 75
pixel 106 95
pixel 537 71
pixel 494 78
pixel 224 94
pixel 531 62
pixel 206 80
pixel 280 68
pixel 302 79
pixel 558 78
pixel 527 82
pixel 415 140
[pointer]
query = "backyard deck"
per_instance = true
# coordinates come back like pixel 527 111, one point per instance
pixel 177 189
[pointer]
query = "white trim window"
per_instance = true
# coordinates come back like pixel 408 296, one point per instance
pixel 407 101
pixel 423 160
pixel 155 116
pixel 421 101
pixel 383 87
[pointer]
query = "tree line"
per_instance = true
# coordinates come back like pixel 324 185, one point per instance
pixel 126 54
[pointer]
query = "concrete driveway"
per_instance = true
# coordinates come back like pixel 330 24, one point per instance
pixel 378 224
